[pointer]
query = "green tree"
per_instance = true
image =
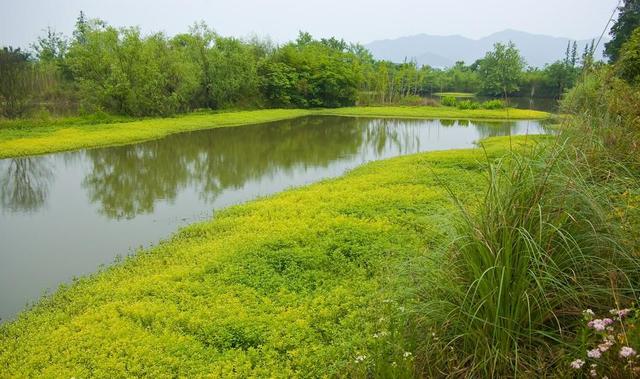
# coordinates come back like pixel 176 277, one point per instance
pixel 628 20
pixel 311 73
pixel 51 48
pixel 501 70
pixel 15 81
pixel 81 29
pixel 628 65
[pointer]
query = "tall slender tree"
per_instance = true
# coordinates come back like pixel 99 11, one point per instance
pixel 628 20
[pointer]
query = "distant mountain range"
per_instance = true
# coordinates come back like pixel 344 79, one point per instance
pixel 444 51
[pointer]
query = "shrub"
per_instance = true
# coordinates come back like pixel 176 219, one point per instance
pixel 449 101
pixel 628 65
pixel 493 104
pixel 468 104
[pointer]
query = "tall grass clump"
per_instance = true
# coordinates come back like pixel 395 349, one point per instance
pixel 528 258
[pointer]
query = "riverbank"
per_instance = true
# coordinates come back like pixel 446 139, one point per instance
pixel 310 282
pixel 25 138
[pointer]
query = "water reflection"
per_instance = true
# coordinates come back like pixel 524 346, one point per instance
pixel 24 183
pixel 127 181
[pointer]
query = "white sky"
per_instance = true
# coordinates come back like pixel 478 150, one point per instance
pixel 21 21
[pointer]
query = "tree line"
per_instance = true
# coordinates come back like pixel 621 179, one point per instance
pixel 122 71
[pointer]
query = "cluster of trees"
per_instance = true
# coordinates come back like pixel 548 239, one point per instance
pixel 120 70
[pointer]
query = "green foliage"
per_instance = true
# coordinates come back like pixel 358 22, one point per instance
pixel 15 82
pixel 605 107
pixel 628 65
pixel 538 249
pixel 311 73
pixel 501 70
pixel 449 101
pixel 120 71
pixel 494 104
pixel 468 104
pixel 628 20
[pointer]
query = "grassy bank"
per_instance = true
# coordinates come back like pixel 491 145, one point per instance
pixel 21 138
pixel 311 282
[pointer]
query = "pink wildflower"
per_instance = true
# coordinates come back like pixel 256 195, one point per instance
pixel 577 364
pixel 595 353
pixel 624 313
pixel 627 352
pixel 597 324
pixel 606 345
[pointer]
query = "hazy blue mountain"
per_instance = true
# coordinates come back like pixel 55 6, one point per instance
pixel 442 51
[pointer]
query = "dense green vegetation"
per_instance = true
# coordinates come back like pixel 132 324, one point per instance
pixel 38 136
pixel 551 247
pixel 101 68
pixel 628 21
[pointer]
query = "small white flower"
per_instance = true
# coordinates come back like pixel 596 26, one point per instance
pixel 360 358
pixel 406 354
pixel 593 373
pixel 578 363
pixel 394 364
pixel 588 312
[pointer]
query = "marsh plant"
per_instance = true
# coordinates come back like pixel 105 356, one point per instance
pixel 528 258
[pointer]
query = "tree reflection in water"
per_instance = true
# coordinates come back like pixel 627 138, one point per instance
pixel 130 180
pixel 24 183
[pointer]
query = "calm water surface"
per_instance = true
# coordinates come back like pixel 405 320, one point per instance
pixel 64 215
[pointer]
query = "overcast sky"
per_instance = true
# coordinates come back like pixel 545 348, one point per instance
pixel 354 20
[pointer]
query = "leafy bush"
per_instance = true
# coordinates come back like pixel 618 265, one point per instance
pixel 628 65
pixel 493 104
pixel 468 104
pixel 449 101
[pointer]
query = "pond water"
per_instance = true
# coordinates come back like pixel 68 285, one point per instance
pixel 64 215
